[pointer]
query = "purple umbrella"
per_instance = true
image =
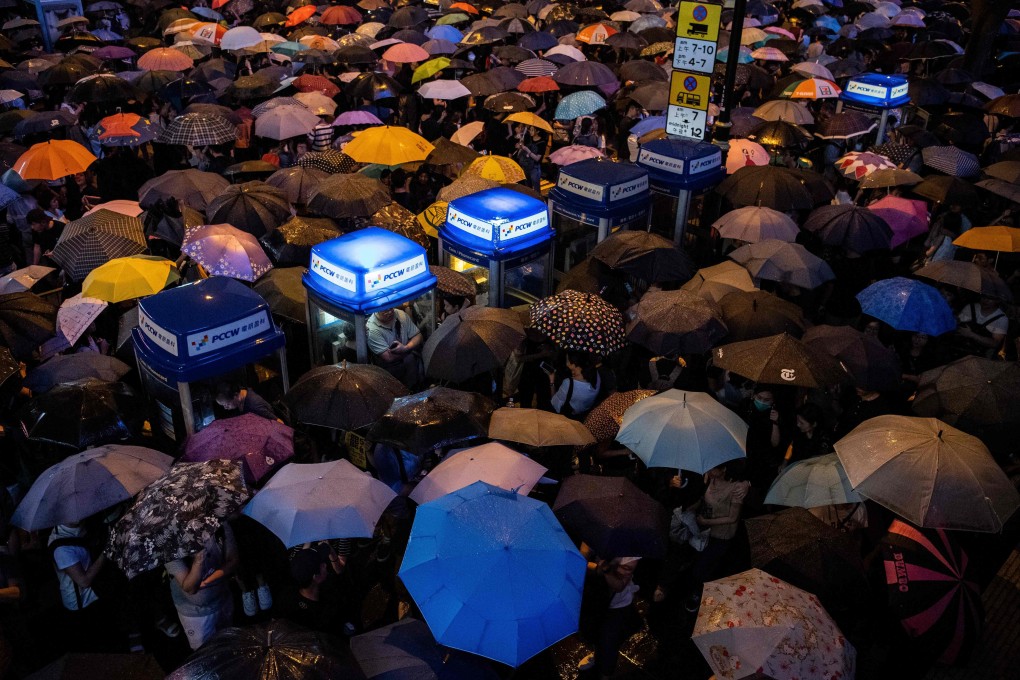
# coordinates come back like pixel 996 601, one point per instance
pixel 259 443
pixel 586 74
pixel 114 52
pixel 223 250
pixel 357 118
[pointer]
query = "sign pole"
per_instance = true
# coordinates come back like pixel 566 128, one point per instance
pixel 721 133
pixel 683 206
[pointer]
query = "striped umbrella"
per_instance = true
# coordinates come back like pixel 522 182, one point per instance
pixel 859 164
pixel 537 67
pixel 198 129
pixel 951 160
pixel 96 239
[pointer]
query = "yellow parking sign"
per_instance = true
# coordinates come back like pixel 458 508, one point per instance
pixel 699 20
pixel 690 90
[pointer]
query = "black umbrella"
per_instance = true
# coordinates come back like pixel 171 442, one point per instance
pixel 779 133
pixel 485 36
pixel 966 130
pixel 509 102
pixel 70 367
pixel 254 207
pixel 193 188
pixel 26 321
pixel 348 195
pixel 433 419
pixel 84 413
pixel 373 87
pixel 766 185
pixel 97 238
pixel 968 276
pixel 290 244
pixel 10 375
pixel 676 322
pixel 586 74
pixel 627 41
pixel 450 153
pixel 757 314
pixel 850 227
pixel 970 392
pixel 612 515
pixel 103 87
pixel 151 82
pixel 845 125
pixel 494 81
pixel 43 122
pixel 780 360
pixel 471 342
pixel 539 40
pixel 408 17
pixel 10 120
pixel 646 256
pixel 331 161
pixel 406 649
pixel 344 396
pixel 641 69
pixel 872 365
pixel 284 292
pixel 943 188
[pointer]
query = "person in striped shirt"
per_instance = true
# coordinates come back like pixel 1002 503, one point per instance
pixel 321 136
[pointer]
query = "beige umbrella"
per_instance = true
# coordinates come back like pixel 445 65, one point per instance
pixel 716 282
pixel 535 427
pixel 929 473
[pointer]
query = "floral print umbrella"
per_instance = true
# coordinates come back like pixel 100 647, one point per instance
pixel 175 515
pixel 753 622
pixel 859 164
pixel 581 322
pixel 224 250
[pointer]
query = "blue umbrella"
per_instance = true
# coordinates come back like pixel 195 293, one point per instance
pixel 828 22
pixel 208 13
pixel 289 48
pixel 7 196
pixel 493 573
pixel 583 103
pixel 539 40
pixel 908 305
pixel 445 32
pixel 648 124
pixel 744 56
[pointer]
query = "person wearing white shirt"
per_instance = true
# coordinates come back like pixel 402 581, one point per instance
pixel 578 393
pixel 983 325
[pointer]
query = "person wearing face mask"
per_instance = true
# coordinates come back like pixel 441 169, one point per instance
pixel 764 436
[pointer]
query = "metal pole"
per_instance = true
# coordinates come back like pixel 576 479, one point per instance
pixel 721 131
pixel 683 205
pixel 881 126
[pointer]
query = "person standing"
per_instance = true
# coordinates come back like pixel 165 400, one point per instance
pixel 609 612
pixel 198 586
pixel 77 571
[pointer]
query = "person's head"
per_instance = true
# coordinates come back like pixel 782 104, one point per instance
pixel 729 471
pixel 919 341
pixel 587 124
pixel 228 395
pixel 37 219
pixel 399 179
pixel 584 364
pixel 386 316
pixel 300 148
pixel 453 304
pixel 873 328
pixel 422 176
pixel 624 566
pixel 809 416
pixel 764 399
pixel 46 198
pixel 983 260
pixel 988 304
pixel 308 566
pixel 386 177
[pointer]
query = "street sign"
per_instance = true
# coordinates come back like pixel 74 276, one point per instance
pixel 694 55
pixel 698 20
pixel 689 123
pixel 690 90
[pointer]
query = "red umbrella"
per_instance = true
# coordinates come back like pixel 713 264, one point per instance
pixel 312 83
pixel 906 217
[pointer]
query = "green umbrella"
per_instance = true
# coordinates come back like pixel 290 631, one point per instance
pixel 429 69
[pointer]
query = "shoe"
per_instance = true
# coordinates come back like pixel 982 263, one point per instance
pixel 692 603
pixel 250 602
pixel 168 627
pixel 265 598
pixel 587 663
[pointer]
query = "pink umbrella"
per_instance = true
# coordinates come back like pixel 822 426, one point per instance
pixel 906 217
pixel 357 118
pixel 490 463
pixel 405 53
pixel 745 152
pixel 259 443
pixel 573 154
pixel 223 250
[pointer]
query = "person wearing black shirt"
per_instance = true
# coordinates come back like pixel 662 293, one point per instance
pixel 45 234
pixel 316 603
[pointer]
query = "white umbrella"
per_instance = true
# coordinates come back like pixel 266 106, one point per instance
pixel 683 430
pixel 490 463
pixel 8 96
pixel 23 279
pixel 810 69
pixel 443 89
pixel 239 38
pixel 317 103
pixel 76 314
pixel 813 483
pixel 123 207
pixel 284 122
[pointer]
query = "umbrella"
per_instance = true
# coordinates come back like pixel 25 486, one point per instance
pixel 779 360
pixel 332 162
pixel 165 59
pixel 84 413
pixel 670 323
pixel 775 260
pixel 872 365
pixel 932 590
pixel 406 649
pixel 348 195
pixel 574 154
pixel 282 289
pixel 811 88
pixel 76 314
pixel 64 368
pixel 577 104
pixel 754 621
pixel 471 342
pixel 968 276
pixel 754 223
pixel 223 250
pixel 465 186
pixel 450 153
pixel 845 125
pixel 645 255
pixel 297 182
pixel 970 392
pixel 124 129
pixel 859 164
pixel 612 515
pixel 941 189
pixel 496 168
pixel 491 463
pixel 929 473
pixel 254 207
pixel 198 129
pixel 284 122
pixel 260 444
pixel 24 279
pixel 509 101
pixel 784 110
pixel 452 283
pixel 291 243
pixel 768 186
pixel 96 239
pixel 398 219
pixel 682 430
pixel 906 217
pixel 951 160
pixel 443 89
pixel 87 483
pixel 998 239
pixel 493 81
pixel 433 419
pixel 907 305
pixel 603 421
pixel 193 188
pixel 779 133
pixel 388 146
pixel 26 321
pixel 715 282
pixel 52 160
pixel 277 650
pixel 102 88
pixel 580 322
pixel 466 133
pixel 851 227
pixel 493 573
pixel 534 427
pixel 127 278
pixel 305 503
pixel 343 396
pixel 756 314
pixel 890 177
pixel 813 483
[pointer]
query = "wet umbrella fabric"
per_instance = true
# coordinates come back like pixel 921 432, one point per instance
pixel 198 129
pixel 223 250
pixel 872 365
pixel 716 282
pixel 851 227
pixel 784 262
pixel 645 255
pixel 908 305
pixel 297 182
pixel 84 413
pixel 753 224
pixel 193 188
pixel 262 445
pixel 968 276
pixel 291 243
pixel 175 515
pixel 580 322
pixel 254 207
pixel 535 427
pixel 676 322
pixel 282 289
pixel 473 341
pixel 492 463
pixel 757 314
pixel 612 515
pixel 972 391
pixel 432 419
pixel 64 368
pixel 452 282
pixel 343 396
pixel 767 186
pixel 813 483
pixel 406 649
pixel 348 195
pixel 779 360
pixel 96 239
pixel 493 573
pixel 906 217
pixel 87 483
pixel 26 321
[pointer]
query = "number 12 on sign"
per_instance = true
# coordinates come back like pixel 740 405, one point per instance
pixel 684 122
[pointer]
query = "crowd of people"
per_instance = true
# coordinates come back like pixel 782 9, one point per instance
pixel 61 591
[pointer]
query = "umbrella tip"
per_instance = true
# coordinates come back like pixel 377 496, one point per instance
pixel 940 435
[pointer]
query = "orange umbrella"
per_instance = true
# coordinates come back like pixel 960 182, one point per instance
pixel 538 84
pixel 165 59
pixel 595 34
pixel 405 53
pixel 207 33
pixel 464 7
pixel 997 238
pixel 216 4
pixel 340 15
pixel 300 15
pixel 53 159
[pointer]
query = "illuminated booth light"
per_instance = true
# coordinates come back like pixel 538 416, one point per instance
pixel 876 91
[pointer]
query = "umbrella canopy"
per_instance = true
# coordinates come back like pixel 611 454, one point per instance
pixel 932 590
pixel 284 122
pixel 574 154
pixel 76 314
pixel 223 250
pixel 895 177
pixel 165 59
pixel 198 129
pixel 495 168
pixel 535 427
pixel 908 305
pixel 86 483
pixel 432 419
pixel 343 396
pixel 581 322
pixel 784 262
pixel 850 227
pixel 683 430
pixel 193 188
pixel 297 182
pixel 493 573
pixel 450 153
pixel 968 276
pixel 780 134
pixel 491 463
pixel 96 239
pixel 872 365
pixel 906 217
pixel 407 649
pixel 443 89
pixel 64 368
pixel 612 515
pixel 779 360
pixel 127 278
pixel 53 159
pixel 715 282
pixel 676 322
pixel 929 473
pixel 942 189
pixel 348 195
pixel 453 283
pixel 766 185
pixel 182 509
pixel 254 207
pixel 998 239
pixel 473 341
pixel 754 223
pixel 305 503
pixel 26 321
pixel 756 314
pixel 261 445
pixel 971 391
pixel 753 621
pixel 24 279
pixel 577 104
pixel 845 125
pixel 84 413
pixel 813 483
pixel 859 164
pixel 785 110
pixel 645 255
pixel 388 146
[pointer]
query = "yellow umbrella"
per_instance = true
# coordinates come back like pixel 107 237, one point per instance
pixel 497 168
pixel 388 145
pixel 528 118
pixel 432 217
pixel 127 278
pixel 53 159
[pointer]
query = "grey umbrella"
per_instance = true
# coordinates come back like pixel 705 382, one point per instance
pixel 68 367
pixel 471 342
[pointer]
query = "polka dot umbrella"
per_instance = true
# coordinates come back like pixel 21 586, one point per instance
pixel 580 322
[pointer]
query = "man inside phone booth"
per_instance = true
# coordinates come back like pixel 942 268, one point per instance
pixel 395 342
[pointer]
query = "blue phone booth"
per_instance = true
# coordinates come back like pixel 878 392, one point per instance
pixel 356 275
pixel 502 239
pixel 202 331
pixel 876 92
pixel 678 168
pixel 49 13
pixel 593 199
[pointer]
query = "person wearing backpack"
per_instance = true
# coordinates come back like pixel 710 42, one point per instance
pixel 579 392
pixel 77 571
